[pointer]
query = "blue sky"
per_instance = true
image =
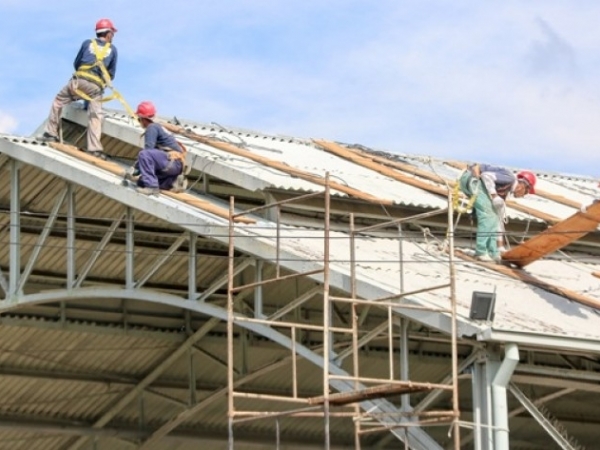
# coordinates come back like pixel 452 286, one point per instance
pixel 514 83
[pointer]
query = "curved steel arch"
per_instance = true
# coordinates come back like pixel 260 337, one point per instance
pixel 419 439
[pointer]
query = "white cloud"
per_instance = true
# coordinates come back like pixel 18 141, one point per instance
pixel 8 123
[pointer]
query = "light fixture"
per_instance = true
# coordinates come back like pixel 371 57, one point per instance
pixel 482 305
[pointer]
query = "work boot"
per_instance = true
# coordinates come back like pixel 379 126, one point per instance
pixel 148 190
pixel 98 154
pixel 47 137
pixel 131 174
pixel 484 258
pixel 180 184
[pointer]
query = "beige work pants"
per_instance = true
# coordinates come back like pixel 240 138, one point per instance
pixel 68 95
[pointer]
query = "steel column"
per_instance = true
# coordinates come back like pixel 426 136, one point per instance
pixel 15 230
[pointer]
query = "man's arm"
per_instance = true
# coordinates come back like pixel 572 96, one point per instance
pixel 150 136
pixel 79 57
pixel 112 65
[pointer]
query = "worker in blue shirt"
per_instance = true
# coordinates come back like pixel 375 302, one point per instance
pixel 490 186
pixel 161 162
pixel 95 67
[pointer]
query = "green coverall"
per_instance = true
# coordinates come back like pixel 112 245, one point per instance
pixel 487 219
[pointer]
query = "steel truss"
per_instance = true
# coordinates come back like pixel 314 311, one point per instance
pixel 77 286
pixel 360 399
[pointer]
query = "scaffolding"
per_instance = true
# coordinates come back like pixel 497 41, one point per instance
pixel 360 400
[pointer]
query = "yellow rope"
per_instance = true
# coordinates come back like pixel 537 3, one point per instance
pixel 104 82
pixel 460 204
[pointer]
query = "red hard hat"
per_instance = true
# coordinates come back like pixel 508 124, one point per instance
pixel 105 25
pixel 529 178
pixel 146 110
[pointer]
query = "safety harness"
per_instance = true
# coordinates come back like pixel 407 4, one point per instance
pixel 461 204
pixel 85 71
pixel 174 155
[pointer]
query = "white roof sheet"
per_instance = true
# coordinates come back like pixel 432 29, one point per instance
pixel 520 307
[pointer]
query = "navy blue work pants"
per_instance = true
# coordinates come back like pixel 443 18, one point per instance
pixel 156 170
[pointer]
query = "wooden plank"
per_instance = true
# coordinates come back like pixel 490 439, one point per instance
pixel 380 391
pixel 405 167
pixel 555 237
pixel 377 166
pixel 354 155
pixel 283 167
pixel 117 169
pixel 521 275
pixel 73 151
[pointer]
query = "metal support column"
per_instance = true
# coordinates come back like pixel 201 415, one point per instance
pixel 15 230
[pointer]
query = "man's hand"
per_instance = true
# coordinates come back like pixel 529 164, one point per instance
pixel 498 202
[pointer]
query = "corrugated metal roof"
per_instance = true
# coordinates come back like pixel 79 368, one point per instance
pixel 378 257
pixel 303 154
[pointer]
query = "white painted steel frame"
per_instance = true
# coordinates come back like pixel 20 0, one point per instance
pixel 196 222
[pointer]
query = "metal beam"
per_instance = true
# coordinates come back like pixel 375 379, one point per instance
pixel 201 438
pixel 149 379
pixel 98 251
pixel 71 236
pixel 256 241
pixel 42 238
pixel 420 440
pixel 15 229
pixel 167 254
pixel 541 400
pixel 192 265
pixel 559 437
pixel 368 337
pixel 222 280
pixel 129 248
pixel 184 415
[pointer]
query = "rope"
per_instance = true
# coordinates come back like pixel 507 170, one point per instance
pixel 461 204
pixel 104 82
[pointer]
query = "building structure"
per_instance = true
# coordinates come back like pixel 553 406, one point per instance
pixel 117 333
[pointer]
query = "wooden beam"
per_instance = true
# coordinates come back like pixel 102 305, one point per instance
pixel 281 166
pixel 355 155
pixel 380 391
pixel 555 237
pixel 521 275
pixel 405 167
pixel 377 166
pixel 117 169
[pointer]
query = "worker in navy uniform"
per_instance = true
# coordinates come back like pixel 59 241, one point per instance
pixel 491 185
pixel 161 163
pixel 95 67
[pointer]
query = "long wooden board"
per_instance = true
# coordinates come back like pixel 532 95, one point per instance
pixel 281 166
pixel 362 160
pixel 404 167
pixel 555 237
pixel 521 275
pixel 117 169
pixel 376 163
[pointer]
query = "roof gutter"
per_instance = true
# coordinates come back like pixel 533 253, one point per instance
pixel 540 340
